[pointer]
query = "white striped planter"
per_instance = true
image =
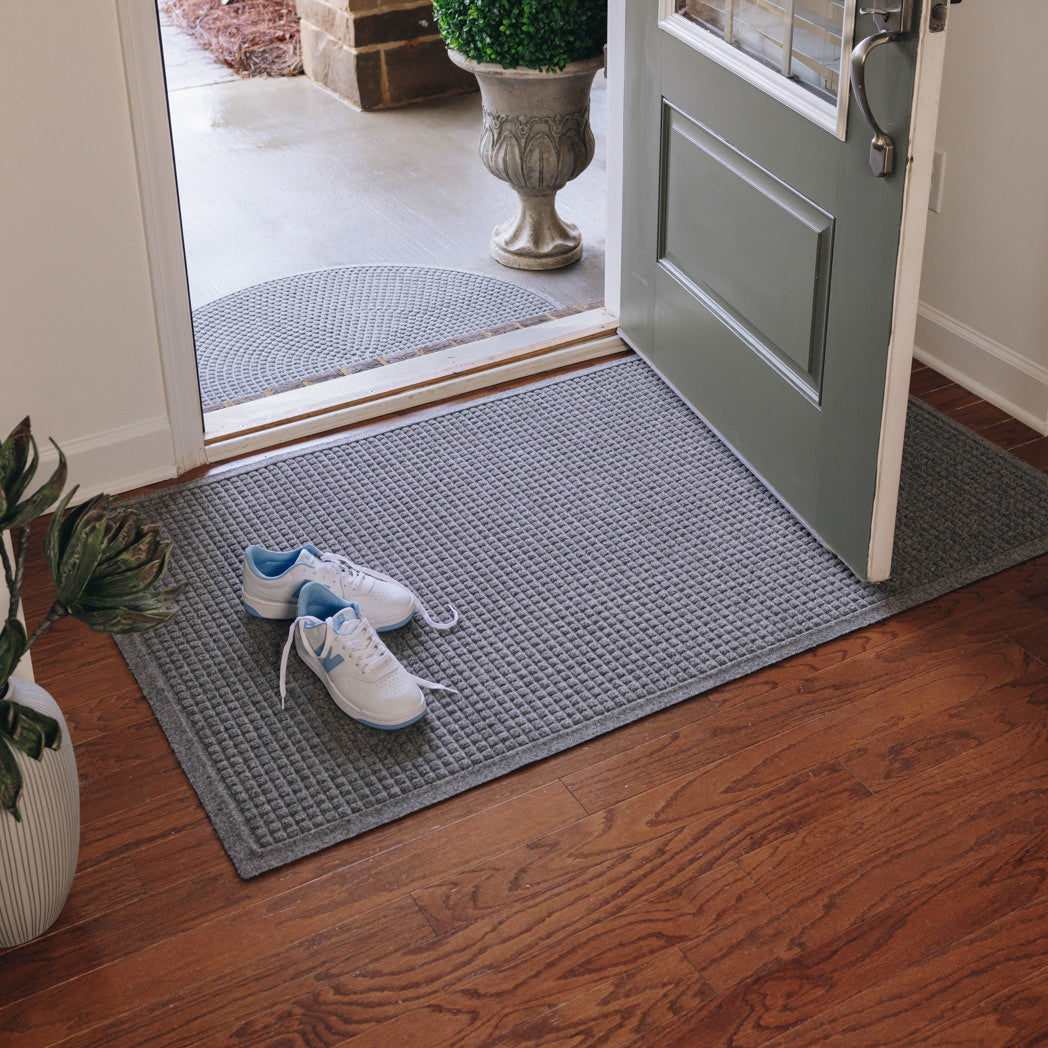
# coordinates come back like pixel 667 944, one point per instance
pixel 38 855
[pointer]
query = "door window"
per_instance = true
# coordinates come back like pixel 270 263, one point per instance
pixel 799 38
pixel 794 49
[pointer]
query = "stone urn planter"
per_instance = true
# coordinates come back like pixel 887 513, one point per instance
pixel 536 136
pixel 38 853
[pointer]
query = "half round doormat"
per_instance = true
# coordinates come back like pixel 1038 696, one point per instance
pixel 313 326
pixel 609 557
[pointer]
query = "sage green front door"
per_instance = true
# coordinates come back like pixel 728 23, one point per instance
pixel 761 248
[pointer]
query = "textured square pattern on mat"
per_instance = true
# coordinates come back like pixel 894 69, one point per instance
pixel 310 326
pixel 609 556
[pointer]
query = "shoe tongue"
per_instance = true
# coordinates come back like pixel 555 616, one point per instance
pixel 344 619
pixel 308 558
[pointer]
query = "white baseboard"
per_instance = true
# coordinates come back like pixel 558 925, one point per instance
pixel 986 367
pixel 114 461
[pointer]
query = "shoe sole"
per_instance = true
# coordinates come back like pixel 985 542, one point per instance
pixel 344 704
pixel 265 609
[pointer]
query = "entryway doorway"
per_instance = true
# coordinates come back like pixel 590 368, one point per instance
pixel 279 177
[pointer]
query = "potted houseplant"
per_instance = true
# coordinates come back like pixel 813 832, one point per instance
pixel 534 61
pixel 107 569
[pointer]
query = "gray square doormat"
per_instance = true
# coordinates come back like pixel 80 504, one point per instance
pixel 608 555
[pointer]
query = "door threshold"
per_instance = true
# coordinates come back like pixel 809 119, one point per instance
pixel 406 384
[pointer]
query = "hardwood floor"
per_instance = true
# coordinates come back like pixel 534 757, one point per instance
pixel 849 848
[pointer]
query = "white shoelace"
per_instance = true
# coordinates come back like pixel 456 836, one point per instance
pixel 365 579
pixel 368 651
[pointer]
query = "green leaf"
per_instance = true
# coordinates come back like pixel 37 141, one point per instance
pixel 125 620
pixel 127 583
pixel 13 644
pixel 38 504
pixel 73 519
pixel 122 533
pixel 30 731
pixel 27 737
pixel 26 461
pixel 14 452
pixel 10 781
pixel 52 545
pixel 79 545
pixel 147 548
pixel 540 34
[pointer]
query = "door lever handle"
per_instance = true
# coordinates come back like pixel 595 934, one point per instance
pixel 882 148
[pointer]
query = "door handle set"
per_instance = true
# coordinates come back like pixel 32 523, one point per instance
pixel 894 18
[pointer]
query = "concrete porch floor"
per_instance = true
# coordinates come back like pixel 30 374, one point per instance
pixel 279 176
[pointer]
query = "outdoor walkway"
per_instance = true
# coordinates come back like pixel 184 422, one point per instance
pixel 279 176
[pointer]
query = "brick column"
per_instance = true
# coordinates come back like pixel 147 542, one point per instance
pixel 378 54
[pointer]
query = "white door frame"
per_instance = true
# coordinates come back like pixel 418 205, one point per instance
pixel 158 191
pixel 151 131
pixel 924 116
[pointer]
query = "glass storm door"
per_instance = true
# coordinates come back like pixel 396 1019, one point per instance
pixel 774 216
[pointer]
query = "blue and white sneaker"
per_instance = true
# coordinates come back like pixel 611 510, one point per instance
pixel 272 580
pixel 360 673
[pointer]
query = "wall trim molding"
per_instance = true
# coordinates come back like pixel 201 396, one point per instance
pixel 984 366
pixel 115 460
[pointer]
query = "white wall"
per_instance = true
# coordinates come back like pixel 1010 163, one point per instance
pixel 984 291
pixel 78 332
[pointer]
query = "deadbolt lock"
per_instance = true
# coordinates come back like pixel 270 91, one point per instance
pixel 937 17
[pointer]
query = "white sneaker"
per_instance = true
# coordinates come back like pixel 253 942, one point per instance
pixel 272 580
pixel 360 673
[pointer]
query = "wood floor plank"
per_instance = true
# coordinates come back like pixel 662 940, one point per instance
pixel 936 990
pixel 617 1013
pixel 915 810
pixel 1028 578
pixel 909 937
pixel 1035 641
pixel 476 1007
pixel 1007 433
pixel 304 1008
pixel 121 936
pixel 990 610
pixel 924 379
pixel 274 935
pixel 833 729
pixel 982 418
pixel 124 710
pixel 964 704
pixel 784 929
pixel 1015 1018
pixel 111 764
pixel 1034 452
pixel 143 805
pixel 712 817
pixel 97 890
pixel 952 400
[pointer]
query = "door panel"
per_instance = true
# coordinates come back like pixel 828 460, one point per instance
pixel 759 268
pixel 751 249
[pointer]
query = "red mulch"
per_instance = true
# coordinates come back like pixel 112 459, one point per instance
pixel 253 37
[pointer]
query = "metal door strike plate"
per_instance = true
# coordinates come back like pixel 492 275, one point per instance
pixel 890 16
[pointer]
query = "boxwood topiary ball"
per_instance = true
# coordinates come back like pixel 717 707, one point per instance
pixel 539 34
